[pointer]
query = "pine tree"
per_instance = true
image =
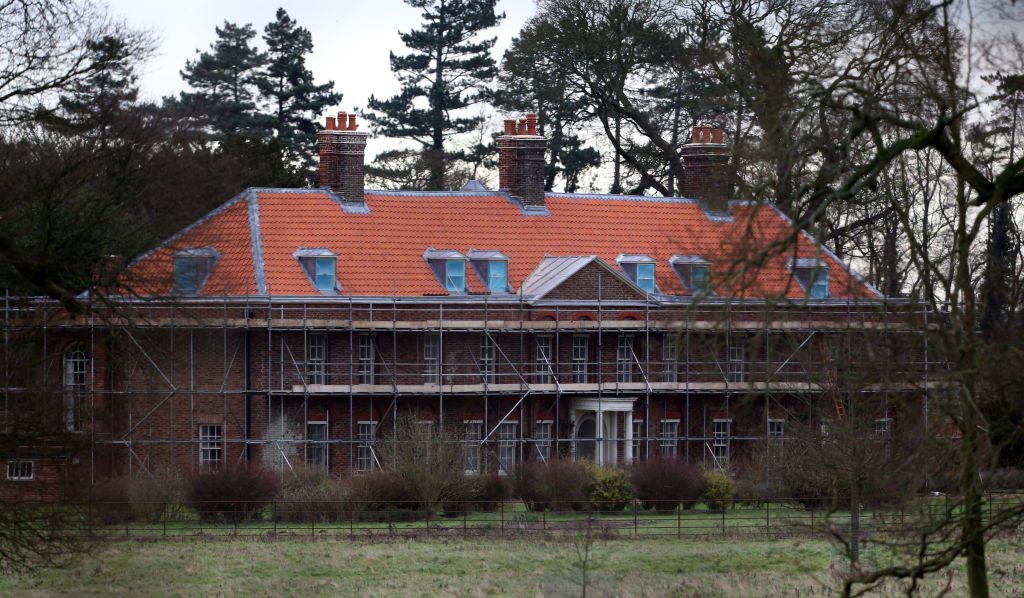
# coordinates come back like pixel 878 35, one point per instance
pixel 287 85
pixel 224 81
pixel 447 68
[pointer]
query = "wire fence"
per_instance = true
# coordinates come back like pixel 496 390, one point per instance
pixel 766 519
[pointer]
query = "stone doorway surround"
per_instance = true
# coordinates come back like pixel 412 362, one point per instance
pixel 599 415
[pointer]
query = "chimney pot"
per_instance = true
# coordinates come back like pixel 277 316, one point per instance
pixel 707 177
pixel 531 124
pixel 521 160
pixel 342 152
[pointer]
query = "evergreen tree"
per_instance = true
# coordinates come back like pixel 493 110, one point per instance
pixel 449 69
pixel 225 87
pixel 288 87
pixel 94 106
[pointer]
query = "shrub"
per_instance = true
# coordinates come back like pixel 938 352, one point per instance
pixel 661 484
pixel 380 496
pixel 232 494
pixel 484 492
pixel 1005 478
pixel 719 490
pixel 158 496
pixel 309 494
pixel 610 490
pixel 755 492
pixel 109 501
pixel 559 485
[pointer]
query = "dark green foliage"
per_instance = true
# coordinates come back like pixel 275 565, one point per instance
pixel 559 485
pixel 225 84
pixel 296 102
pixel 450 69
pixel 532 80
pixel 232 494
pixel 661 484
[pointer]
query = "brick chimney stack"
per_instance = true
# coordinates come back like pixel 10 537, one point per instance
pixel 706 163
pixel 342 150
pixel 521 160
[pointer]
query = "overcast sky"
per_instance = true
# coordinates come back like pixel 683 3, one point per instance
pixel 351 38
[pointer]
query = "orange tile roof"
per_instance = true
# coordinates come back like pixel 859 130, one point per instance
pixel 380 253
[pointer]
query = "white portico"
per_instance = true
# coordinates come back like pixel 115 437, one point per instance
pixel 595 426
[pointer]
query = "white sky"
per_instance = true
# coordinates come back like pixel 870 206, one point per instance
pixel 351 38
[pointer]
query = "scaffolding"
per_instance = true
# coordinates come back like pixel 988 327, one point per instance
pixel 169 382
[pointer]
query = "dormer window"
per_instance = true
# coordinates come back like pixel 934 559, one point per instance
pixel 640 269
pixel 694 272
pixel 449 267
pixel 191 269
pixel 320 265
pixel 812 274
pixel 492 269
pixel 455 276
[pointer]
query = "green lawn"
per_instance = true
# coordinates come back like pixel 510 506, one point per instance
pixel 529 566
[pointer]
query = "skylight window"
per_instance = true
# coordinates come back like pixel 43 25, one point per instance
pixel 191 269
pixel 812 274
pixel 640 269
pixel 320 265
pixel 694 272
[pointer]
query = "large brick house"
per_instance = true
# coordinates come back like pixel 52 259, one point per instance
pixel 295 326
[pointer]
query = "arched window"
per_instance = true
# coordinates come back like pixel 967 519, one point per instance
pixel 76 376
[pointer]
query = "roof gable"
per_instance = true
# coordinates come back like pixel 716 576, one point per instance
pixel 580 278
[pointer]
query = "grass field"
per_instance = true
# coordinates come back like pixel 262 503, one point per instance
pixel 464 567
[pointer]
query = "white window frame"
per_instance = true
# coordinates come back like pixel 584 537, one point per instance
pixel 818 287
pixel 367 357
pixel 542 438
pixel 324 272
pixel 883 425
pixel 721 437
pixel 646 281
pixel 700 283
pixel 545 367
pixel 366 432
pixel 76 383
pixel 670 359
pixel 668 438
pixel 638 438
pixel 624 358
pixel 580 356
pixel 776 438
pixel 506 447
pixel 21 470
pixel 432 358
pixel 488 359
pixel 318 452
pixel 497 284
pixel 737 360
pixel 474 432
pixel 316 358
pixel 211 445
pixel 455 282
